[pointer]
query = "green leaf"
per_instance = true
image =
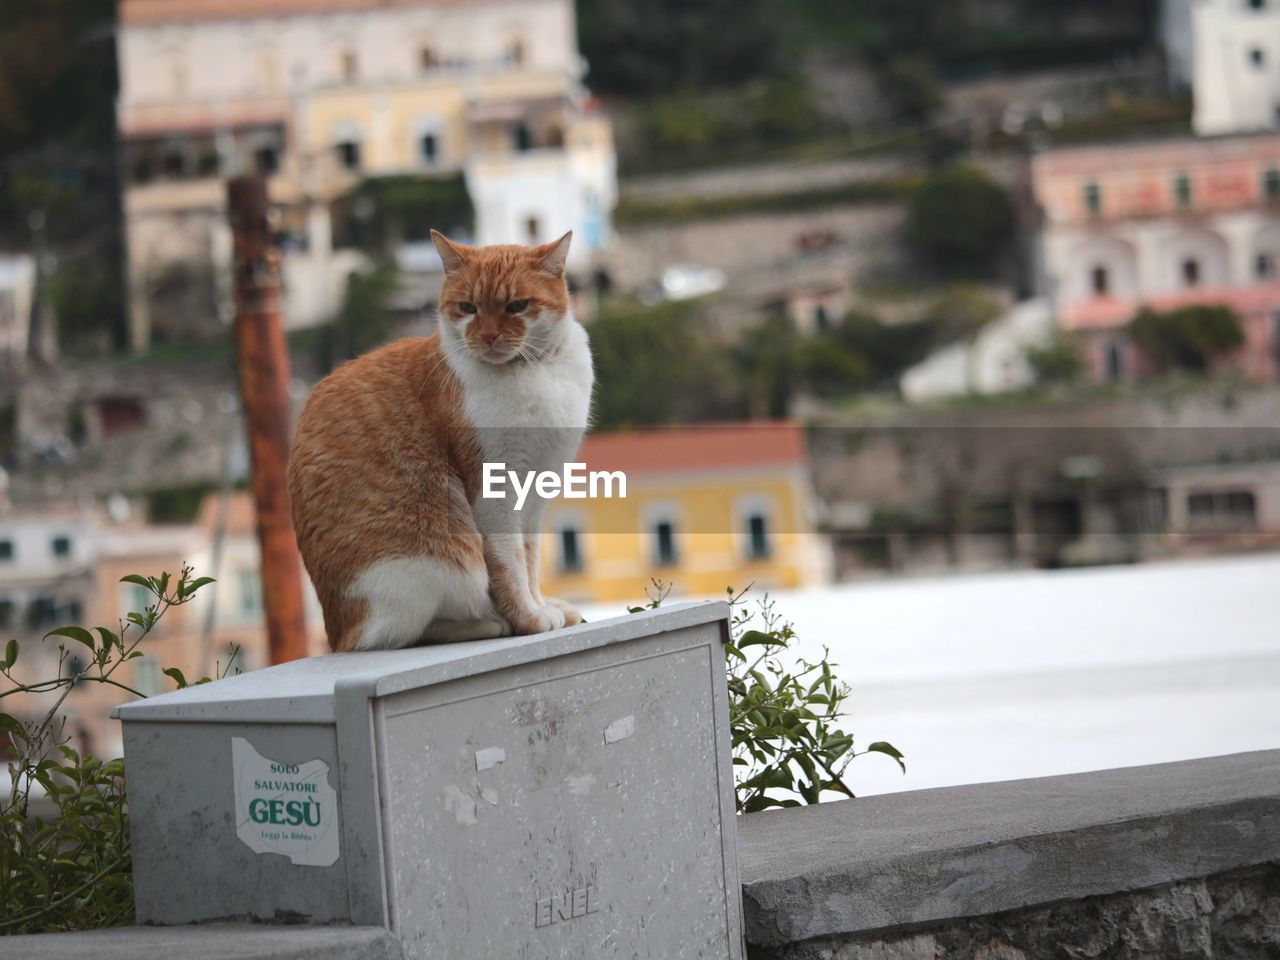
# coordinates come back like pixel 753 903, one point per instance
pixel 140 581
pixel 79 634
pixel 109 638
pixel 198 583
pixel 754 638
pixel 176 675
pixel 10 653
pixel 888 749
pixel 12 725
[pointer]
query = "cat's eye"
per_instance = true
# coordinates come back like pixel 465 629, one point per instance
pixel 466 306
pixel 517 306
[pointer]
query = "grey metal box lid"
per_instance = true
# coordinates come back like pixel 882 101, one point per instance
pixel 568 794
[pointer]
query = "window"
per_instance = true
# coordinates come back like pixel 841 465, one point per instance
pixel 349 66
pixel 430 149
pixel 1191 272
pixel 1222 510
pixel 6 550
pixel 61 547
pixel 1264 265
pixel 1115 363
pixel 266 160
pixel 522 137
pixel 42 614
pixel 516 52
pixel 1182 191
pixel 7 611
pixel 349 154
pixel 664 545
pixel 1271 184
pixel 532 229
pixel 1093 199
pixel 175 164
pixel 757 536
pixel 250 592
pixel 136 599
pixel 821 321
pixel 147 677
pixel 1258 58
pixel 570 558
pixel 1257 4
pixel 1100 281
pixel 427 59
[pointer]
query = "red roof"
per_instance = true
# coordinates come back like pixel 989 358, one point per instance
pixel 711 446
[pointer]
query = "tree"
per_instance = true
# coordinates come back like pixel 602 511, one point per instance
pixel 364 319
pixel 961 221
pixel 912 83
pixel 1058 361
pixel 643 47
pixel 654 366
pixel 1188 338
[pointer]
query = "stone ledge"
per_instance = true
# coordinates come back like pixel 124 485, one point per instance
pixel 907 860
pixel 215 941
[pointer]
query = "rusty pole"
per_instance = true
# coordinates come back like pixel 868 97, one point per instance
pixel 263 366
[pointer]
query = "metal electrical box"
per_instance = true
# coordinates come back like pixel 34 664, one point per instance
pixel 566 795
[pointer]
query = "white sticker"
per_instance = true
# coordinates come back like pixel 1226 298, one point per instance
pixel 620 730
pixel 490 757
pixel 286 808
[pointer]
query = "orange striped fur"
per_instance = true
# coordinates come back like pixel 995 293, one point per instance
pixel 384 476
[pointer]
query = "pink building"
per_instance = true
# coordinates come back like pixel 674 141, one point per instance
pixel 1163 225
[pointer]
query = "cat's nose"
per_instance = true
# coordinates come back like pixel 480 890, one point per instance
pixel 488 336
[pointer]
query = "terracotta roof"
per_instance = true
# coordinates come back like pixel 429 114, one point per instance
pixel 696 447
pixel 142 12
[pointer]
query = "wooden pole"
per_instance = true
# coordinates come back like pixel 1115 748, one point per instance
pixel 263 366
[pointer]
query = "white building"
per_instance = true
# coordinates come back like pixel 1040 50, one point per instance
pixel 994 360
pixel 321 95
pixel 1228 52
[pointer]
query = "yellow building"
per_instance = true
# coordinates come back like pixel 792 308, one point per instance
pixel 706 507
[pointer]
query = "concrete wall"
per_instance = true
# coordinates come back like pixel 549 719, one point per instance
pixel 1175 860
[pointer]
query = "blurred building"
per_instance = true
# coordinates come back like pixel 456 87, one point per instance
pixel 1238 503
pixel 320 95
pixel 64 568
pixel 1161 225
pixel 1233 60
pixel 707 507
pixel 17 296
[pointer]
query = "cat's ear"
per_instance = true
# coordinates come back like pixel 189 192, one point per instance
pixel 551 257
pixel 451 254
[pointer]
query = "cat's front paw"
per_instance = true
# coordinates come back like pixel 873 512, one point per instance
pixel 540 620
pixel 571 616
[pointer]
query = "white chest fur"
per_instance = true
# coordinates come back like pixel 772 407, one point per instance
pixel 532 415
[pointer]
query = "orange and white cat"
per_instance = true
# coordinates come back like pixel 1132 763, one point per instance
pixel 385 473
